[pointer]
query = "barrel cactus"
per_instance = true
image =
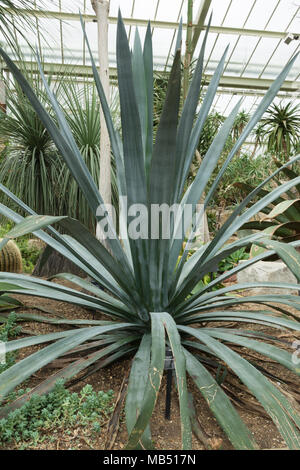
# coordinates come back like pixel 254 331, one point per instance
pixel 11 258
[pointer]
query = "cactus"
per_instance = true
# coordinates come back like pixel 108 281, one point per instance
pixel 11 258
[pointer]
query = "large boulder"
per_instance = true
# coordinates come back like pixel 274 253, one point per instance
pixel 268 271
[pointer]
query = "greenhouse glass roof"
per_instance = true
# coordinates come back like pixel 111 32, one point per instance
pixel 262 36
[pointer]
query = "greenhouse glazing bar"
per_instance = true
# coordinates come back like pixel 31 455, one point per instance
pixel 227 81
pixel 155 23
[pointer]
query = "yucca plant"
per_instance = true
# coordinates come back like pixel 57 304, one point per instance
pixel 30 163
pixel 281 127
pixel 147 294
pixel 83 109
pixel 13 17
pixel 31 166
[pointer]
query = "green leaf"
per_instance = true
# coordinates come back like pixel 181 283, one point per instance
pixel 220 405
pixel 274 402
pixel 281 209
pixel 32 224
pixel 17 373
pixel 180 368
pixel 162 177
pixel 136 389
pixel 287 253
pixel 278 355
pixel 148 66
pixel 68 372
pixel 154 380
pixel 245 317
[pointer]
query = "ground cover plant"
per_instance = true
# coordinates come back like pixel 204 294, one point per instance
pixel 59 410
pixel 145 293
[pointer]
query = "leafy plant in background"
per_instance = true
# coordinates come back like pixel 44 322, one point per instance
pixel 242 170
pixel 230 262
pixel 239 125
pixel 147 296
pixel 30 163
pixel 281 127
pixel 212 125
pixel 12 18
pixel 30 254
pixel 233 260
pixel 282 216
pixel 258 135
pixel 31 167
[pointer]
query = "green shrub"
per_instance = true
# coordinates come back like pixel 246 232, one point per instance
pixel 243 169
pixel 58 410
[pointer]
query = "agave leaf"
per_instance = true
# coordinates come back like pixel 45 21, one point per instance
pixel 28 286
pixel 133 152
pixel 185 126
pixel 26 367
pixel 245 317
pixel 119 272
pixel 278 355
pixel 153 383
pixel 92 288
pixel 197 187
pixel 262 107
pixel 31 224
pixel 136 389
pixel 220 405
pixel 61 248
pixel 274 402
pixel 180 368
pixel 68 372
pixel 223 234
pixel 202 116
pixel 204 298
pixel 148 67
pixel 287 253
pixel 282 208
pixel 162 176
pixel 139 79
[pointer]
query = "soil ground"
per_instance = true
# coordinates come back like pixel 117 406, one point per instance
pixel 166 434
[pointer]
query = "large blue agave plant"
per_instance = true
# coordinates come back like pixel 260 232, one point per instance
pixel 147 294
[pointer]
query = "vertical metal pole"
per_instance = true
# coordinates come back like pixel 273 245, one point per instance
pixel 169 367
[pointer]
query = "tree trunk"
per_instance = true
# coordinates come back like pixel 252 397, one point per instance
pixel 101 8
pixel 188 55
pixel 51 262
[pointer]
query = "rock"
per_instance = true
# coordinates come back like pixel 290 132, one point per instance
pixel 268 271
pixel 36 243
pixel 202 232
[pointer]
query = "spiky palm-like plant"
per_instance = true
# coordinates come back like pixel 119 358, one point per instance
pixel 147 296
pixel 31 165
pixel 281 127
pixel 13 17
